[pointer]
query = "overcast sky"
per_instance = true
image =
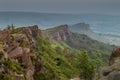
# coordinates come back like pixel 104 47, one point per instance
pixel 62 6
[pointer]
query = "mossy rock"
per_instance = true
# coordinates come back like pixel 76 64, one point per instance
pixel 1 47
pixel 13 35
pixel 1 55
pixel 24 44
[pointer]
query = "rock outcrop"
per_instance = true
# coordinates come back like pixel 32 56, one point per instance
pixel 19 46
pixel 112 72
pixel 60 33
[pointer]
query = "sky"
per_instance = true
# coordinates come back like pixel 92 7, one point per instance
pixel 62 6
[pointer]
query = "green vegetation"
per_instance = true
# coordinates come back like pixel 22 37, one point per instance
pixel 5 77
pixel 62 61
pixel 56 61
pixel 11 66
pixel 66 61
pixel 14 66
pixel 86 66
pixel 10 27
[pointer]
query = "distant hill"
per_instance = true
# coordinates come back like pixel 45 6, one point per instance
pixel 84 28
pixel 80 27
pixel 99 23
pixel 62 34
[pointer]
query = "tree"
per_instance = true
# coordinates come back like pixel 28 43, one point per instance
pixel 86 67
pixel 13 27
pixel 10 27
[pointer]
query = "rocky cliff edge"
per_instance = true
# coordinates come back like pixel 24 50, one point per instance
pixel 17 53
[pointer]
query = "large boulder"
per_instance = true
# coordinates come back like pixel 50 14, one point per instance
pixel 16 52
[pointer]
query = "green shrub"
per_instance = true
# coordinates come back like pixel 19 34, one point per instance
pixel 5 77
pixel 14 66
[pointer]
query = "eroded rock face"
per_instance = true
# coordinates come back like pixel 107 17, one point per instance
pixel 63 33
pixel 4 35
pixel 60 33
pixel 17 47
pixel 115 56
pixel 112 72
pixel 32 30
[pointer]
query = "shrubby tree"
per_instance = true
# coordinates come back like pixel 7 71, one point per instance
pixel 86 67
pixel 10 27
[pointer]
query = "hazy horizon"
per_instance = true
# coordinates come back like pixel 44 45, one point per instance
pixel 62 6
pixel 99 23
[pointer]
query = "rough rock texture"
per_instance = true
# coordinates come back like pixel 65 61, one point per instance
pixel 16 46
pixel 4 35
pixel 60 33
pixel 115 56
pixel 112 72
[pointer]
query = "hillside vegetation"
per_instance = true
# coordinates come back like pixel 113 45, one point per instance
pixel 26 54
pixel 97 50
